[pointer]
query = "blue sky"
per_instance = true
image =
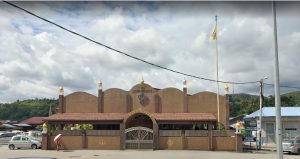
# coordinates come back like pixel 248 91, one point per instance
pixel 37 58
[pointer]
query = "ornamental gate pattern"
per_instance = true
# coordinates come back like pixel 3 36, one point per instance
pixel 139 138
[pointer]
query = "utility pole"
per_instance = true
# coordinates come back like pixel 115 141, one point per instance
pixel 261 101
pixel 277 90
pixel 217 74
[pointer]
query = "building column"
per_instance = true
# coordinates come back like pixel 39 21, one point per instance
pixel 61 108
pixel 185 97
pixel 122 136
pixel 210 137
pixel 183 140
pixel 226 124
pixel 155 136
pixel 100 97
pixel 84 140
pixel 45 141
pixel 128 103
pixel 156 110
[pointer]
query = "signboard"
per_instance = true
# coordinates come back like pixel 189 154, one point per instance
pixel 250 124
pixel 249 139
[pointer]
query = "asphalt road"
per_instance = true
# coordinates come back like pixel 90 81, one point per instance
pixel 5 153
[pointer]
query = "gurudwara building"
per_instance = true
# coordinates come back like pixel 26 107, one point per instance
pixel 142 118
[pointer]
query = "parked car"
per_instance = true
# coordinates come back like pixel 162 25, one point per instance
pixel 21 141
pixel 7 134
pixel 292 146
pixel 34 134
pixel 5 137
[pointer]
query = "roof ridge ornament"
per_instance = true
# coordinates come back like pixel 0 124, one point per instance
pixel 61 90
pixel 142 81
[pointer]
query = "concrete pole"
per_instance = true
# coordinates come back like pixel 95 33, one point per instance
pixel 260 114
pixel 261 82
pixel 277 90
pixel 217 67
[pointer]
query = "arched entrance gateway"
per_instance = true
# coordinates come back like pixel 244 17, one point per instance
pixel 139 132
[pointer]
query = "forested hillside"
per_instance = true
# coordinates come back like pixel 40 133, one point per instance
pixel 246 104
pixel 21 110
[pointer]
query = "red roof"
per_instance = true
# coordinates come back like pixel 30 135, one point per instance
pixel 34 121
pixel 85 117
pixel 120 116
pixel 184 116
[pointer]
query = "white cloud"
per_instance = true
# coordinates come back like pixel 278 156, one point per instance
pixel 36 57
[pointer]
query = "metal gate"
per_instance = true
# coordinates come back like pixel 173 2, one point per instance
pixel 139 138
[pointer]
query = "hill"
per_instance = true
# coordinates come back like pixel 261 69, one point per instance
pixel 21 110
pixel 294 96
pixel 246 103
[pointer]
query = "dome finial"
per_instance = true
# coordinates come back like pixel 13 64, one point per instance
pixel 142 81
pixel 99 84
pixel 226 88
pixel 61 90
pixel 184 82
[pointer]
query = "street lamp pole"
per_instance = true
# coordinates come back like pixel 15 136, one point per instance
pixel 277 90
pixel 261 82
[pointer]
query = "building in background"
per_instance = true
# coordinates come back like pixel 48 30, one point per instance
pixel 35 123
pixel 290 123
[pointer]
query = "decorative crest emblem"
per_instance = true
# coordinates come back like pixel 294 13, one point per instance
pixel 143 99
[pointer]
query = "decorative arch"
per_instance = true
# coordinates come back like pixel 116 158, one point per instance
pixel 150 128
pixel 139 115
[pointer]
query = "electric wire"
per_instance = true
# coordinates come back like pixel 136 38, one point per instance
pixel 282 86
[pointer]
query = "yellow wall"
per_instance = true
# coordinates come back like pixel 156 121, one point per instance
pixel 115 101
pixel 172 143
pixel 224 143
pixel 69 142
pixel 197 143
pixel 171 100
pixel 103 142
pixel 81 102
pixel 206 102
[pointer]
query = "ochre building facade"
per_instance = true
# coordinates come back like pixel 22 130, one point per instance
pixel 142 118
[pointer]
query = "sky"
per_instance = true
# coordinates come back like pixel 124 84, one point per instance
pixel 37 57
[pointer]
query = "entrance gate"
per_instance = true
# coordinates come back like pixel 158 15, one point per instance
pixel 139 138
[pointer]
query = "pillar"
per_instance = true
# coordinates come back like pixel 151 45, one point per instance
pixel 210 137
pixel 61 108
pixel 155 136
pixel 100 97
pixel 84 140
pixel 227 107
pixel 128 103
pixel 122 136
pixel 185 97
pixel 183 140
pixel 226 124
pixel 157 104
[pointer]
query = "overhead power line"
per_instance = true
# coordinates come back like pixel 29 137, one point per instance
pixel 131 56
pixel 282 86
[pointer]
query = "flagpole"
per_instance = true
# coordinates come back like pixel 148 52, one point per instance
pixel 217 67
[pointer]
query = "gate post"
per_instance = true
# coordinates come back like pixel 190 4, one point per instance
pixel 122 136
pixel 155 136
